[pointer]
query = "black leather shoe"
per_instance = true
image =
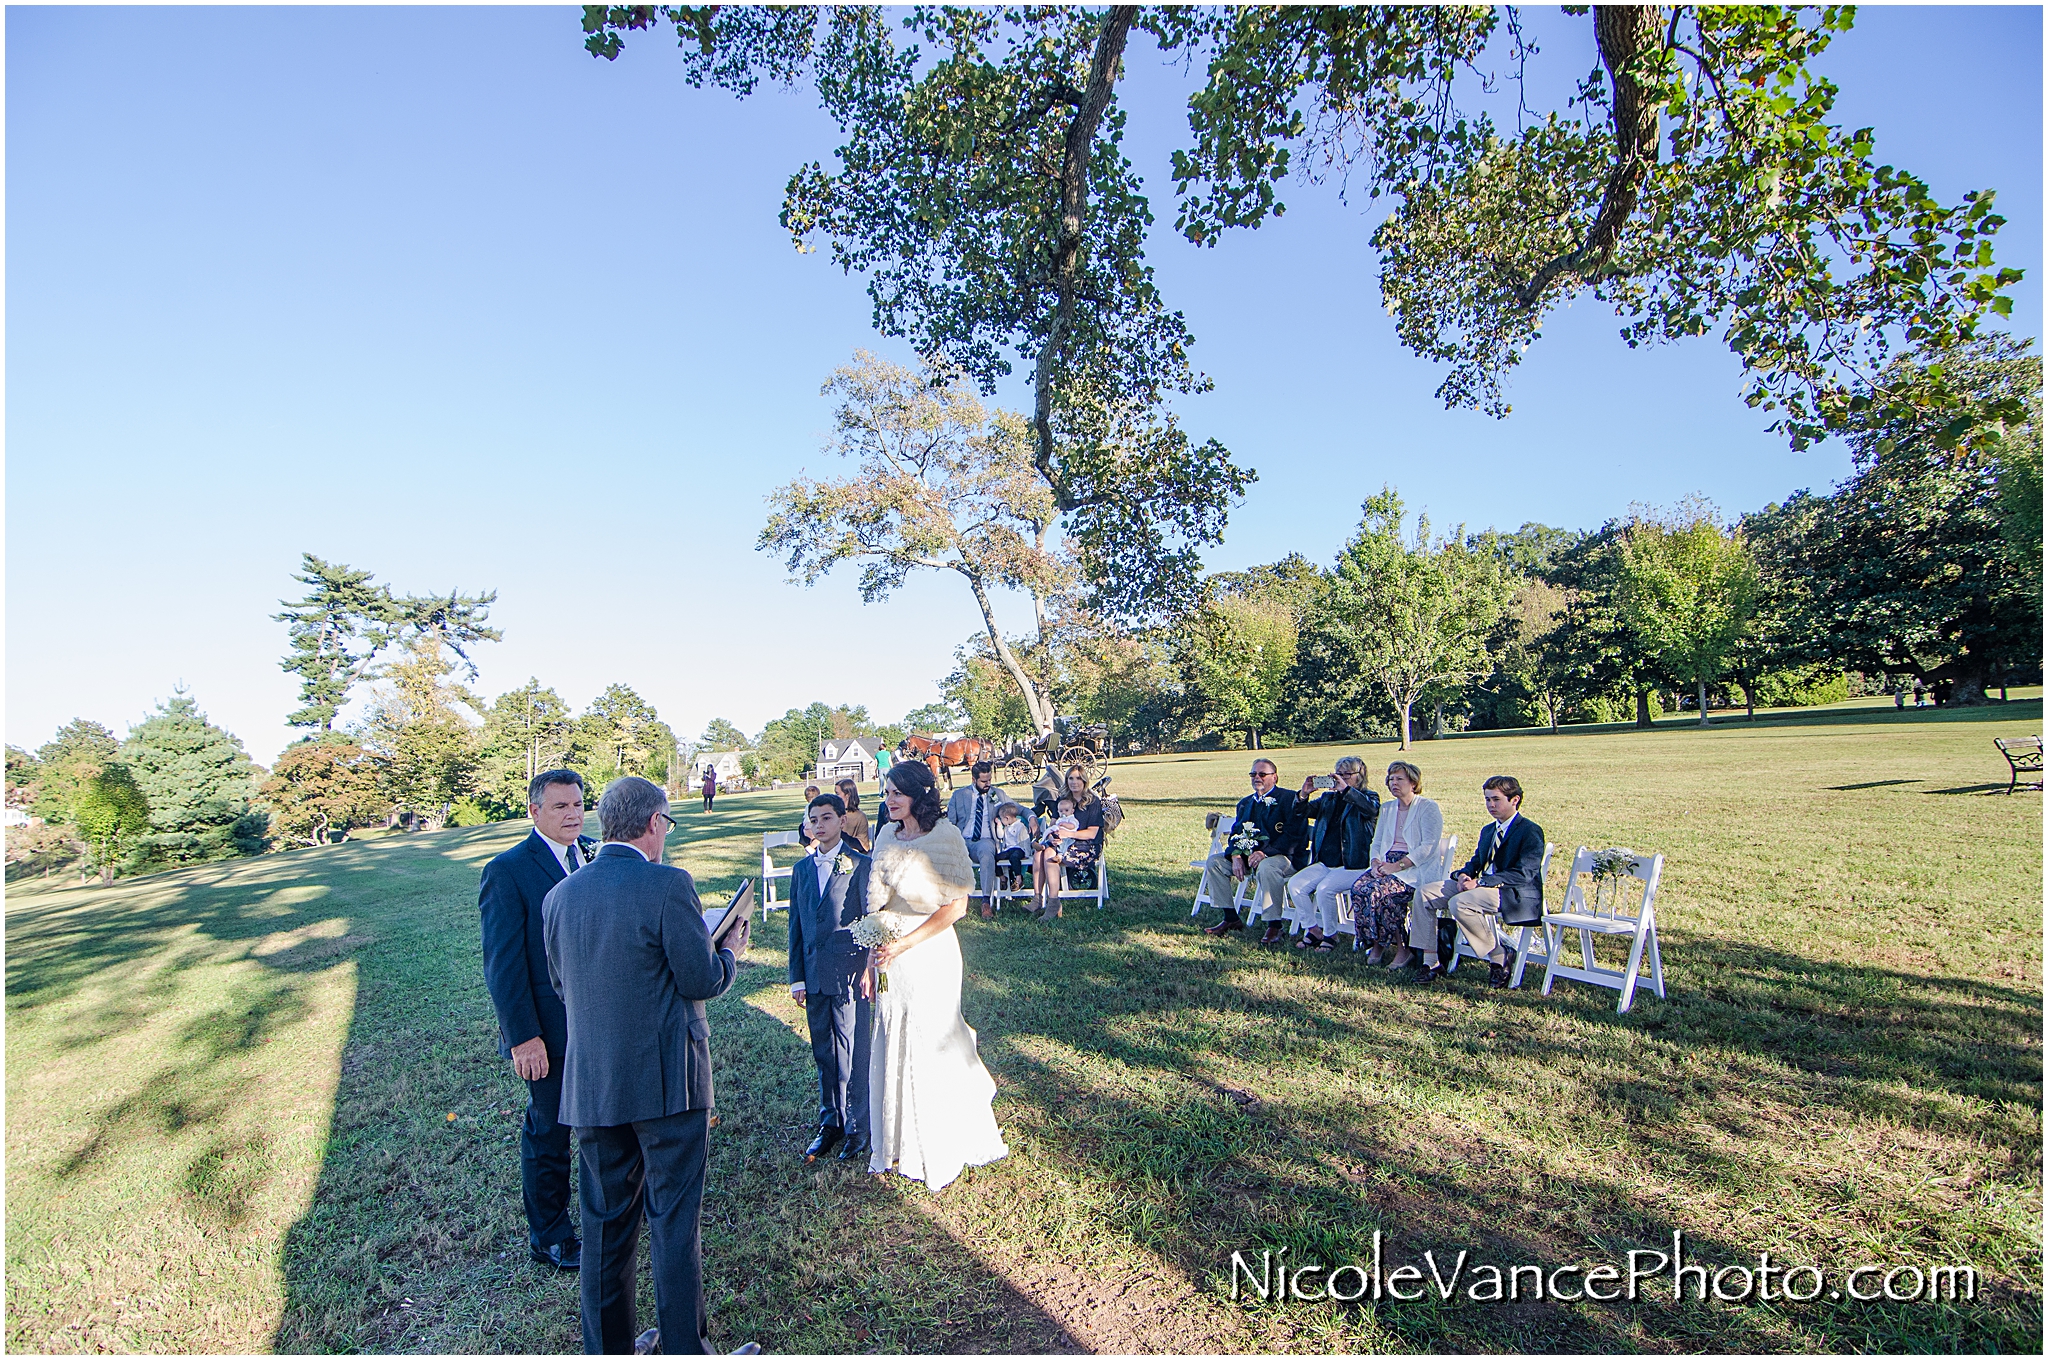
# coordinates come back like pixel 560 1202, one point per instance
pixel 1430 972
pixel 561 1255
pixel 828 1137
pixel 853 1149
pixel 1498 974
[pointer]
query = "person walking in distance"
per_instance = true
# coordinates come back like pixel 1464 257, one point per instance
pixel 533 1027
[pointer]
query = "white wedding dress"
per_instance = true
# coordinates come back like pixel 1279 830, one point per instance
pixel 928 1094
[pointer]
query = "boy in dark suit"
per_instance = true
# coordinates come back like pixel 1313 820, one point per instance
pixel 533 1030
pixel 1503 881
pixel 828 892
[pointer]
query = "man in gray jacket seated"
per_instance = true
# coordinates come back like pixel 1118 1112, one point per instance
pixel 629 954
pixel 973 810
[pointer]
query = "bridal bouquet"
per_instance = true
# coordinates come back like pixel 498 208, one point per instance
pixel 1244 840
pixel 877 927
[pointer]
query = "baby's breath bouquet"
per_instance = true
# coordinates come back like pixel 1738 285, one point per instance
pixel 1244 840
pixel 1609 868
pixel 877 927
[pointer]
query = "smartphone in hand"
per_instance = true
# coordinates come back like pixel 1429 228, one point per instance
pixel 1322 781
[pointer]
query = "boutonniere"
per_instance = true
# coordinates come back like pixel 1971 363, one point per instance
pixel 1268 801
pixel 844 864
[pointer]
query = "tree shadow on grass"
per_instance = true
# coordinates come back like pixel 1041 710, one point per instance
pixel 1705 1090
pixel 416 1239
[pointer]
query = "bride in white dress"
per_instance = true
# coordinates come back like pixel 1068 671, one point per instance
pixel 928 1094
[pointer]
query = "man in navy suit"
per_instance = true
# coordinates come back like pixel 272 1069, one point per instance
pixel 827 894
pixel 1502 881
pixel 630 956
pixel 533 1030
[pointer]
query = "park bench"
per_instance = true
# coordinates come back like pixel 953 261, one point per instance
pixel 2024 755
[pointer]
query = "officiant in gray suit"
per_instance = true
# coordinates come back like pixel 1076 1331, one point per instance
pixel 630 956
pixel 828 892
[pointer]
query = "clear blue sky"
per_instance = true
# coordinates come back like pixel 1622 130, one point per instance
pixel 434 293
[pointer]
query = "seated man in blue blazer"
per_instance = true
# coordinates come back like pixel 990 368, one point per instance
pixel 1503 880
pixel 828 892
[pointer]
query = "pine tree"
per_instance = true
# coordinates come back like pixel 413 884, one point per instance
pixel 198 781
pixel 336 631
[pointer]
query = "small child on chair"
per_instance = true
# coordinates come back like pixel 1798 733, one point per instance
pixel 1013 847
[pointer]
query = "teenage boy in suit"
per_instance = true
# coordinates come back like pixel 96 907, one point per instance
pixel 828 892
pixel 1502 881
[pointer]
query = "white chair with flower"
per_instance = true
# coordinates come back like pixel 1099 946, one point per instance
pixel 1221 827
pixel 1610 913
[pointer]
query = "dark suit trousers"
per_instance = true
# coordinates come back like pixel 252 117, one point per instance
pixel 841 1030
pixel 544 1160
pixel 654 1167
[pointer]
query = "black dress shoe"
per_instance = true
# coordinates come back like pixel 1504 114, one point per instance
pixel 853 1149
pixel 1498 974
pixel 561 1255
pixel 648 1342
pixel 827 1138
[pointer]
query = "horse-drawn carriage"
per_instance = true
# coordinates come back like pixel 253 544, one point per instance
pixel 1072 743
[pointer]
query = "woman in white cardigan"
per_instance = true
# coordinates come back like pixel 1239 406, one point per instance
pixel 1404 846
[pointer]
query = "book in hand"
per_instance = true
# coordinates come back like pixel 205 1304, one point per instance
pixel 723 921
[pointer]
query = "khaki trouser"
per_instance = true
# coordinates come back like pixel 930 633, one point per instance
pixel 1269 896
pixel 1474 911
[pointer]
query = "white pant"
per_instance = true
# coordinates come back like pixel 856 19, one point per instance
pixel 1312 895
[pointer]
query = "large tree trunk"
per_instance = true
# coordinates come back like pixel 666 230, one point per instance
pixel 1066 261
pixel 1035 702
pixel 1643 708
pixel 1703 703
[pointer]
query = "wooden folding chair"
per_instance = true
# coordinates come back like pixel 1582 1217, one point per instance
pixel 1614 918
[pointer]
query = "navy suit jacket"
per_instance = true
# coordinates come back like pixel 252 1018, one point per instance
pixel 515 959
pixel 822 954
pixel 630 955
pixel 1517 870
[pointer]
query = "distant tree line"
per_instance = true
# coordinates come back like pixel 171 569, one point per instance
pixel 1924 565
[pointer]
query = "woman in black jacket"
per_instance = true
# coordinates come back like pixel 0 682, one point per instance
pixel 1345 818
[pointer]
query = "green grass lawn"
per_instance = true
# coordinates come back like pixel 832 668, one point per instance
pixel 230 1089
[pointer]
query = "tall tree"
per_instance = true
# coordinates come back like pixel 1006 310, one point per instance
pixel 1688 587
pixel 1695 181
pixel 938 486
pixel 422 731
pixel 625 735
pixel 1534 651
pixel 336 632
pixel 721 735
pixel 320 788
pixel 1237 652
pixel 1787 626
pixel 526 730
pixel 1421 608
pixel 113 818
pixel 983 192
pixel 198 781
pixel 65 764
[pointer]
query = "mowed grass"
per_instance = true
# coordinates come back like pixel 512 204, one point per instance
pixel 228 1089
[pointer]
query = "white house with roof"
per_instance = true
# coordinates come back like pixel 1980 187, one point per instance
pixel 725 768
pixel 849 758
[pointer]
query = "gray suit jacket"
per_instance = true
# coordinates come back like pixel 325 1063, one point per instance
pixel 629 954
pixel 960 810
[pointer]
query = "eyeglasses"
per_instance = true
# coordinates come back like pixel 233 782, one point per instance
pixel 672 822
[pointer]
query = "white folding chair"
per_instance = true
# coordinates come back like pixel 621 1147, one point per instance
pixel 774 840
pixel 1615 918
pixel 1219 836
pixel 1461 950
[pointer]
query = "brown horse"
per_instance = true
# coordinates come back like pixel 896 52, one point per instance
pixel 944 757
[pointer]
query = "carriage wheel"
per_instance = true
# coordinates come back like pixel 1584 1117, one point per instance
pixel 1082 756
pixel 1019 770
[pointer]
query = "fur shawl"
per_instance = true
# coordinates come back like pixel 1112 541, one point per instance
pixel 919 876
